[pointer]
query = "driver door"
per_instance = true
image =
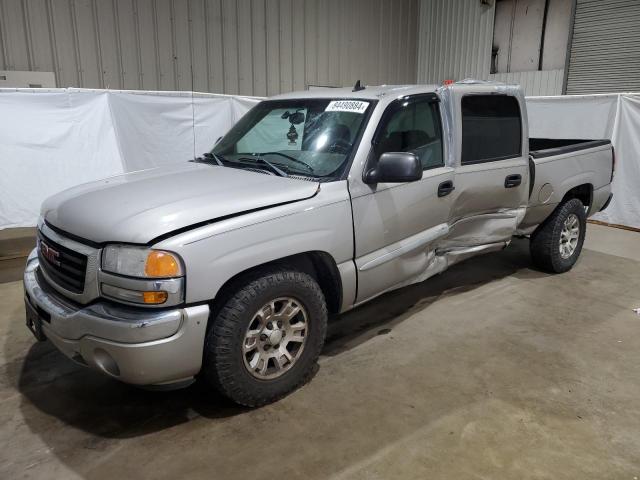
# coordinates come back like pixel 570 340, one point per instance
pixel 398 225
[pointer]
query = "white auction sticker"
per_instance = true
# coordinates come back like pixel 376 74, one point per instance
pixel 354 106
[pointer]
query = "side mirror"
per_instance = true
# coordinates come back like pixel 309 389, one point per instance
pixel 395 167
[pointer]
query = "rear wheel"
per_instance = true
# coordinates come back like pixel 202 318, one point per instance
pixel 266 339
pixel 556 244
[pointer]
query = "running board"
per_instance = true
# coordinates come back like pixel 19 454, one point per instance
pixel 457 254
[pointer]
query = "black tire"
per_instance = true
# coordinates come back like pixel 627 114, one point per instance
pixel 224 364
pixel 545 241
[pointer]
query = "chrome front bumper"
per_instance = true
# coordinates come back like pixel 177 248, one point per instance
pixel 134 345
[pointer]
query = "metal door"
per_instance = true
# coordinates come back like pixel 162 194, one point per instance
pixel 398 226
pixel 491 166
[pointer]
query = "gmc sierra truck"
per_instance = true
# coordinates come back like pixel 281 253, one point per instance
pixel 227 267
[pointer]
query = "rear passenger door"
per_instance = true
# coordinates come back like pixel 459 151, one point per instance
pixel 491 177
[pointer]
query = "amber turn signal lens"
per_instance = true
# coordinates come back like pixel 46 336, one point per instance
pixel 162 264
pixel 154 297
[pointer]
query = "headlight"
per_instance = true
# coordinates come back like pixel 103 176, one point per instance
pixel 141 262
pixel 143 276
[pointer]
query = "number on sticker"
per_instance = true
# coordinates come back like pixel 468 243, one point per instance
pixel 354 106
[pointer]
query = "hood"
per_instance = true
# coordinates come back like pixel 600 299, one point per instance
pixel 140 206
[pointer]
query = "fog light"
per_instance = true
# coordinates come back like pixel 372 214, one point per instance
pixel 134 296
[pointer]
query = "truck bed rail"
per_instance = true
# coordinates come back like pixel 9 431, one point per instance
pixel 547 147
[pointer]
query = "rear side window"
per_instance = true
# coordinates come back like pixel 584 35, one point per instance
pixel 413 126
pixel 491 128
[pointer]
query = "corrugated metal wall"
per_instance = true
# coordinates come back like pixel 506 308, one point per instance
pixel 455 43
pixel 605 49
pixel 543 82
pixel 455 40
pixel 249 47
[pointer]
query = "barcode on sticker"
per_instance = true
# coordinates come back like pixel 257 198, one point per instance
pixel 354 106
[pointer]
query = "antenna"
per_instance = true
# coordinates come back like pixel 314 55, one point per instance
pixel 357 87
pixel 193 113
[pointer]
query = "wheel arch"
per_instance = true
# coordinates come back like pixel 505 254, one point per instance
pixel 583 192
pixel 318 264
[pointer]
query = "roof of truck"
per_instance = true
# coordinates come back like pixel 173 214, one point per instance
pixel 384 92
pixel 369 92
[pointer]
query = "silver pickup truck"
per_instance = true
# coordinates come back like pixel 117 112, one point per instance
pixel 227 267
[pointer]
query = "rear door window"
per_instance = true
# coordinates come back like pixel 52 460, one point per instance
pixel 491 128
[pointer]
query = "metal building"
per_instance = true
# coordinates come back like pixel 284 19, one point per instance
pixel 527 41
pixel 250 47
pixel 605 47
pixel 264 47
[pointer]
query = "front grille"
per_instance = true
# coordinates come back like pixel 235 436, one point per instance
pixel 66 267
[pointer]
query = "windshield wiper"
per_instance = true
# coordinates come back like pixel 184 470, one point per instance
pixel 217 158
pixel 289 157
pixel 210 156
pixel 278 171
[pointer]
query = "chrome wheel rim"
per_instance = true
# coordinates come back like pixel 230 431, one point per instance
pixel 569 236
pixel 275 338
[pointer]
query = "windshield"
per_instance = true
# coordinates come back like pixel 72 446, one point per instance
pixel 308 137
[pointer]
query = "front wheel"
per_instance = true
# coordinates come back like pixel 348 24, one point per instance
pixel 556 244
pixel 266 339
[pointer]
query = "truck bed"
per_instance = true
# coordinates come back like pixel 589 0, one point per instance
pixel 559 165
pixel 546 147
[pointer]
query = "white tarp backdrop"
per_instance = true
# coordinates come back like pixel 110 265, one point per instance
pixel 54 139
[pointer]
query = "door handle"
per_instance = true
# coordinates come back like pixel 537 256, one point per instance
pixel 445 188
pixel 512 181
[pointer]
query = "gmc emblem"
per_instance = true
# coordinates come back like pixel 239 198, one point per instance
pixel 49 253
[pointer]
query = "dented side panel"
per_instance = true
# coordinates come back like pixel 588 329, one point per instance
pixel 405 233
pixel 486 208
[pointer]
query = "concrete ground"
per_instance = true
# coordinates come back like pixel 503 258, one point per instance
pixel 15 244
pixel 491 370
